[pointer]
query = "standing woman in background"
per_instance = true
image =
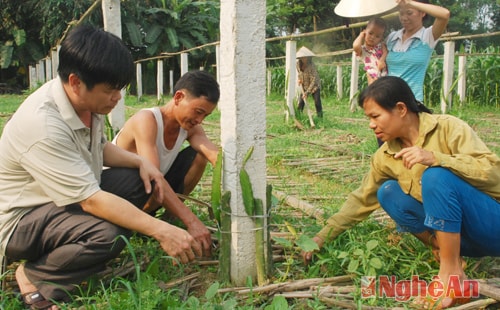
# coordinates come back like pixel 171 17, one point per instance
pixel 411 47
pixel 309 80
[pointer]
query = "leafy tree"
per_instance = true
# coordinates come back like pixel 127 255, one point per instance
pixel 473 17
pixel 151 27
pixel 158 26
pixel 16 46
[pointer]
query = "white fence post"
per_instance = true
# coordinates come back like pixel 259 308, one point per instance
pixel 269 81
pixel 54 54
pixel 184 63
pixel 171 81
pixel 40 71
pixel 462 77
pixel 113 23
pixel 340 86
pixel 449 57
pixel 290 76
pixel 217 62
pixel 138 73
pixel 354 81
pixel 33 77
pixel 159 79
pixel 48 69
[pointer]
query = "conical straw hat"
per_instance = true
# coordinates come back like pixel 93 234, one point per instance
pixel 304 52
pixel 363 8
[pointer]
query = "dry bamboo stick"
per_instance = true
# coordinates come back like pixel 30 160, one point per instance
pixel 330 289
pixel 338 303
pixel 348 305
pixel 207 262
pixel 329 162
pixel 197 201
pixel 478 304
pixel 282 234
pixel 297 285
pixel 165 286
pixel 230 289
pixel 489 290
pixel 296 294
pixel 300 204
pixel 119 271
pixel 310 294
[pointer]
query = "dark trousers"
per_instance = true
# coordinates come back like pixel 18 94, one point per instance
pixel 317 103
pixel 180 167
pixel 65 245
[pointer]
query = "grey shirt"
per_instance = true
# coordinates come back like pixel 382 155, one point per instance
pixel 47 155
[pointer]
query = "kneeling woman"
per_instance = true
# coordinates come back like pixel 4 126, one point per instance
pixel 433 176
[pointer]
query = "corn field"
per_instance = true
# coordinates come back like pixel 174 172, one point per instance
pixel 482 80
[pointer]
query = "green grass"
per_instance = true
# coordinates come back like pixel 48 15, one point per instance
pixel 319 165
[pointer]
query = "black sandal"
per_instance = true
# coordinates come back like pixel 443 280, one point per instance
pixel 35 301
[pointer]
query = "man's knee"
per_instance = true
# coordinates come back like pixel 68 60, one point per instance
pixel 111 237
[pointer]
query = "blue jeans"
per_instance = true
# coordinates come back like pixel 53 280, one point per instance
pixel 450 205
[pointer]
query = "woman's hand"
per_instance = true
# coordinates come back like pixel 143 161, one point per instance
pixel 403 2
pixel 307 256
pixel 415 155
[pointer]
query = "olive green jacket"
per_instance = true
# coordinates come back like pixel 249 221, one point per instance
pixel 455 146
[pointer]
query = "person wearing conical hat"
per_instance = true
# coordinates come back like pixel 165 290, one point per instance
pixel 308 79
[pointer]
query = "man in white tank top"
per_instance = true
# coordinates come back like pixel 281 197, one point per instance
pixel 158 134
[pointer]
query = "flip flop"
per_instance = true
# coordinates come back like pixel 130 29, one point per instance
pixel 35 301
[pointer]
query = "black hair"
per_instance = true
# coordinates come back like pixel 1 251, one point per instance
pixel 199 83
pixel 387 91
pixel 377 21
pixel 95 56
pixel 426 17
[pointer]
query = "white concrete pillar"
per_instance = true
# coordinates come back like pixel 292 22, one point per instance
pixel 448 60
pixel 217 62
pixel 184 63
pixel 159 79
pixel 340 84
pixel 48 69
pixel 138 74
pixel 33 77
pixel 171 81
pixel 37 75
pixel 354 81
pixel 54 54
pixel 243 120
pixel 269 81
pixel 291 76
pixel 113 23
pixel 462 78
pixel 40 71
